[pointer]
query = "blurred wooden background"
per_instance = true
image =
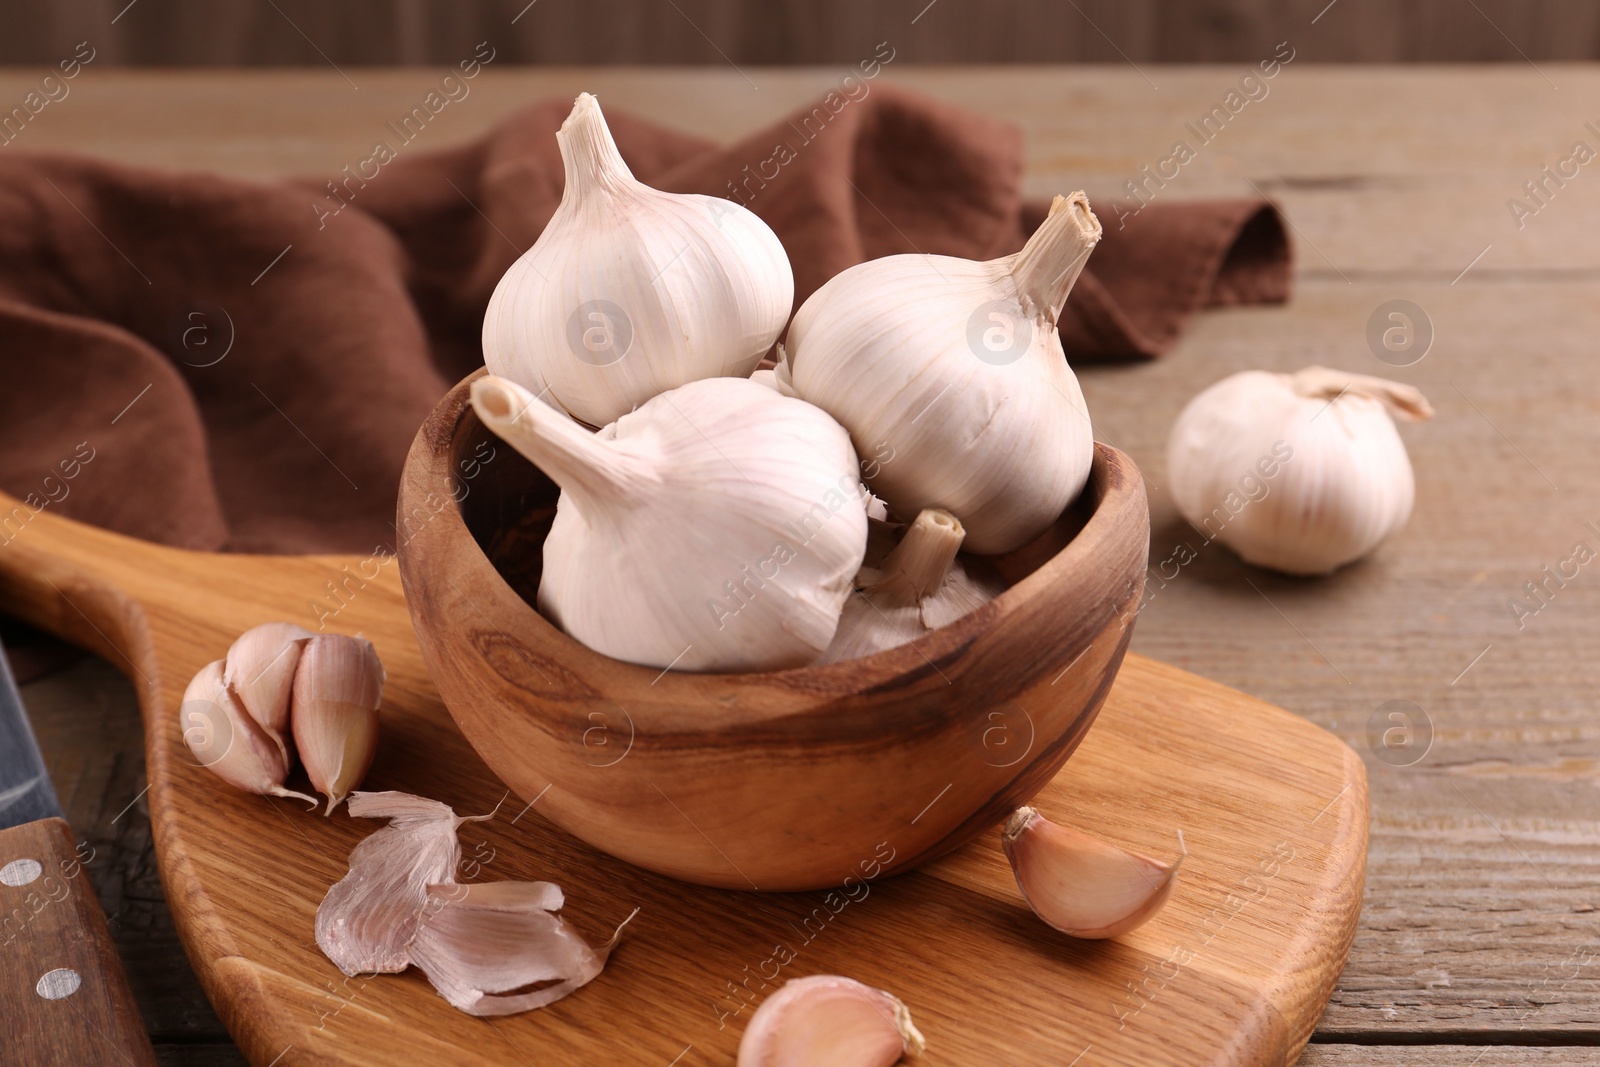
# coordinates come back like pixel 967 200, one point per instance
pixel 225 33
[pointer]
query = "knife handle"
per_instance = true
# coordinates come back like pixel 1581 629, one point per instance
pixel 66 999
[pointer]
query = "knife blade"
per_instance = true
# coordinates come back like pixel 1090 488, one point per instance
pixel 66 999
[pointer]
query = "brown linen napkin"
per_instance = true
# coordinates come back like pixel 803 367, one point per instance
pixel 228 365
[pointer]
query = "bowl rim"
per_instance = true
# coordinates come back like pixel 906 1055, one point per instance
pixel 1113 475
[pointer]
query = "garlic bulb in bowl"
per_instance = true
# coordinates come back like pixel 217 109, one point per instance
pixel 1300 473
pixel 715 528
pixel 955 368
pixel 631 291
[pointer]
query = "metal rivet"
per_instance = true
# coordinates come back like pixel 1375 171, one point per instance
pixel 20 872
pixel 59 983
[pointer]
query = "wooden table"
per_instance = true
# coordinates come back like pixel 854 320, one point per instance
pixel 1478 940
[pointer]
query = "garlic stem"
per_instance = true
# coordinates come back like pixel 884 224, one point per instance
pixel 588 152
pixel 1325 383
pixel 1049 264
pixel 577 460
pixel 919 564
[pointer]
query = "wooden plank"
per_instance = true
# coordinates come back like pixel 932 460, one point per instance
pixel 1444 1056
pixel 714 32
pixel 1387 174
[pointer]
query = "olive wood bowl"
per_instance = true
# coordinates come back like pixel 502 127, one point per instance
pixel 782 780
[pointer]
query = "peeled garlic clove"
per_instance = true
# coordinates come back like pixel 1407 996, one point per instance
pixel 259 668
pixel 227 741
pixel 917 587
pixel 337 689
pixel 747 503
pixel 367 921
pixel 630 291
pixel 1300 473
pixel 827 1019
pixel 955 370
pixel 477 941
pixel 1079 884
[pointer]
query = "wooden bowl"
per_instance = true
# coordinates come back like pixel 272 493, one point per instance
pixel 784 780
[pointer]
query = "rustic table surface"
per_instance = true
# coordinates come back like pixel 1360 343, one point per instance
pixel 1479 926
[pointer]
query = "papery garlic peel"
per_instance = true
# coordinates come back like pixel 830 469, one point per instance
pixel 955 369
pixel 829 1019
pixel 1300 473
pixel 367 921
pixel 1079 884
pixel 630 291
pixel 226 740
pixel 480 943
pixel 718 527
pixel 338 687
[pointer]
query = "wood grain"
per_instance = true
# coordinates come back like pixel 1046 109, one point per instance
pixel 772 780
pixel 67 999
pixel 717 32
pixel 1251 941
pixel 1483 854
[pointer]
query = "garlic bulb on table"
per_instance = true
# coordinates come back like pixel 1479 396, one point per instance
pixel 1300 473
pixel 717 527
pixel 915 588
pixel 631 291
pixel 954 367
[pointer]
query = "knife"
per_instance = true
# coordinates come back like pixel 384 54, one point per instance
pixel 63 994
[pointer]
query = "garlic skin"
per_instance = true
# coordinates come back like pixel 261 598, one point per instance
pixel 1079 884
pixel 337 689
pixel 227 741
pixel 259 668
pixel 957 367
pixel 1300 473
pixel 368 919
pixel 716 528
pixel 829 1019
pixel 911 590
pixel 631 291
pixel 477 943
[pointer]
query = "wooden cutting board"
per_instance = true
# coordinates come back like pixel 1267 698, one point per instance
pixel 1235 970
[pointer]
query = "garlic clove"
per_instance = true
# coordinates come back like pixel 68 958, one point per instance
pixel 913 589
pixel 1300 473
pixel 338 686
pixel 227 741
pixel 368 919
pixel 953 371
pixel 259 668
pixel 829 1019
pixel 750 504
pixel 1079 884
pixel 477 941
pixel 630 291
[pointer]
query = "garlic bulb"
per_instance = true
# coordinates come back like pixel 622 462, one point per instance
pixel 914 589
pixel 1079 884
pixel 717 527
pixel 955 368
pixel 829 1019
pixel 630 291
pixel 1300 473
